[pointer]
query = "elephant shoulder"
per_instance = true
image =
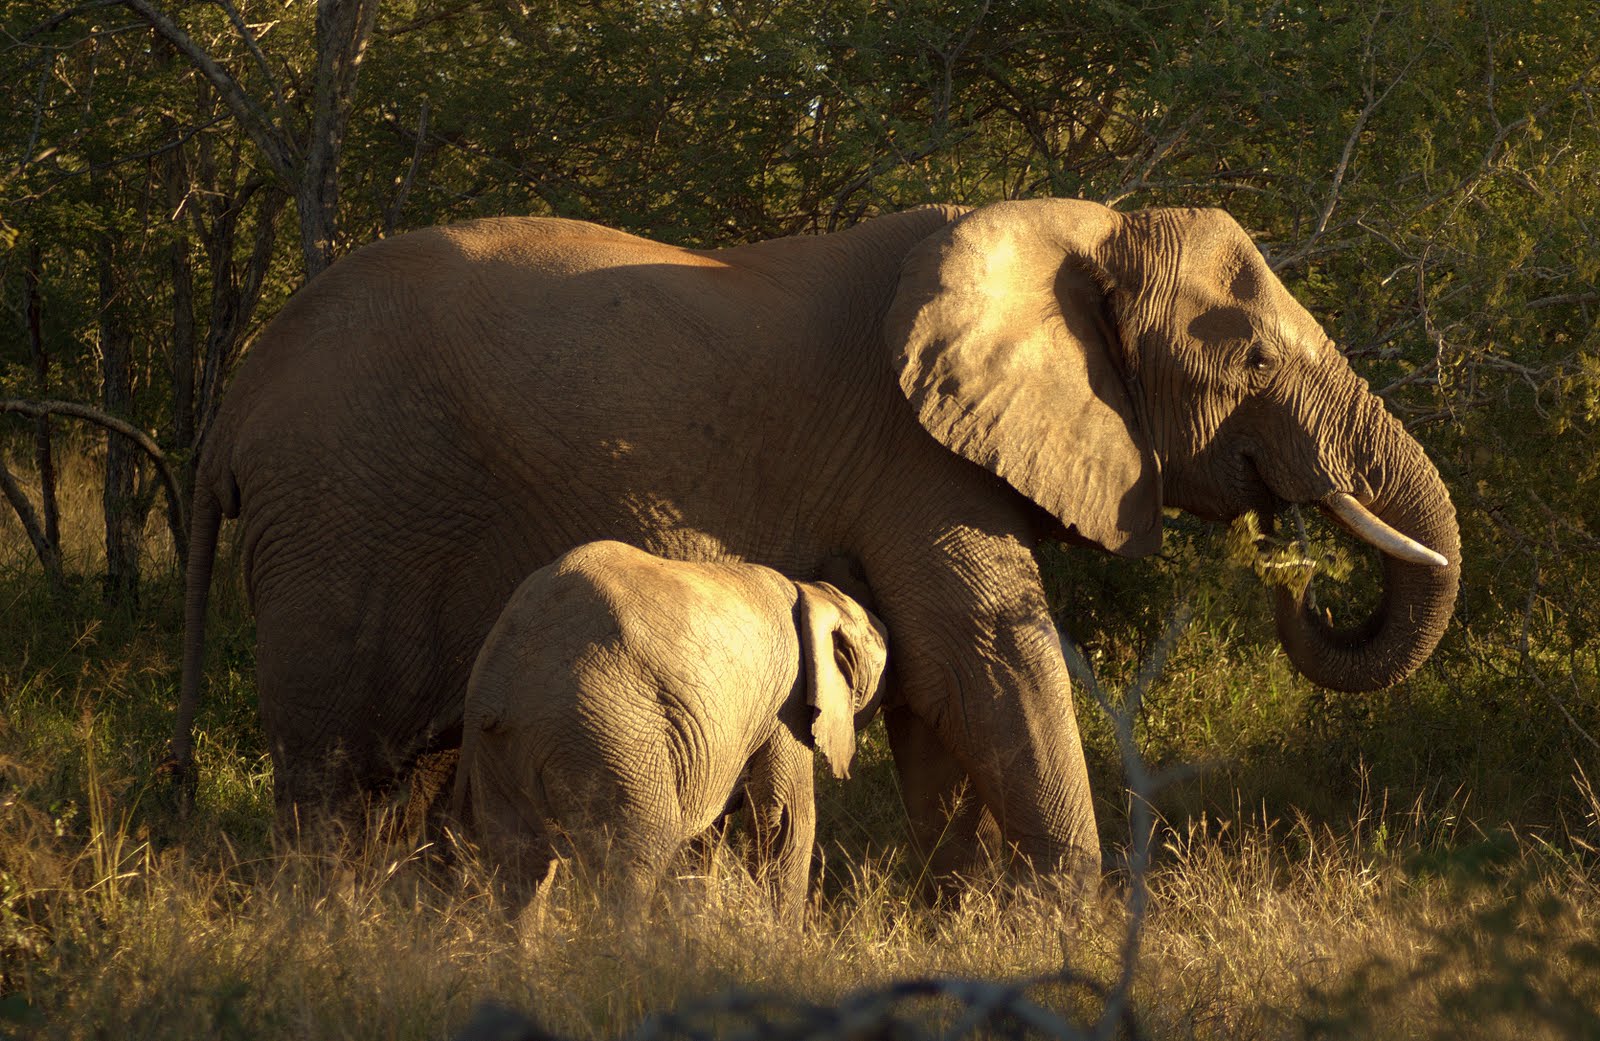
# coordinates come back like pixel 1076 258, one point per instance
pixel 578 599
pixel 604 565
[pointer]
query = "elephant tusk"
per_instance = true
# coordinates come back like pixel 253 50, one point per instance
pixel 1370 529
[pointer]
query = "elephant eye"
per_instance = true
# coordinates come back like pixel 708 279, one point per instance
pixel 1257 359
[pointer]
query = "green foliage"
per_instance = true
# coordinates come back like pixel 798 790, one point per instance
pixel 1421 173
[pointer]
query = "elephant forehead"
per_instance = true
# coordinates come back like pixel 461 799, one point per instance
pixel 1218 310
pixel 1293 326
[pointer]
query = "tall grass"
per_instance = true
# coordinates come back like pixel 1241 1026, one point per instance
pixel 1260 931
pixel 1287 898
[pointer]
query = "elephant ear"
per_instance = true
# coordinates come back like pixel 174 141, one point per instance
pixel 842 658
pixel 1002 334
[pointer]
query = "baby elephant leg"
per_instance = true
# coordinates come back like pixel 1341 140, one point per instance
pixel 506 810
pixel 621 832
pixel 783 818
pixel 636 860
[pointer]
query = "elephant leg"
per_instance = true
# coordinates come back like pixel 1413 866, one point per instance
pixel 428 798
pixel 703 846
pixel 783 819
pixel 326 728
pixel 624 865
pixel 955 834
pixel 983 691
pixel 620 818
pixel 509 819
pixel 359 679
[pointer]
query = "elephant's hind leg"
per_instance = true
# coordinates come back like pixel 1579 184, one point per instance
pixel 624 828
pixel 783 817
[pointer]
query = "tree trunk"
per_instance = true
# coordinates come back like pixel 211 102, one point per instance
pixel 124 520
pixel 183 336
pixel 343 28
pixel 43 457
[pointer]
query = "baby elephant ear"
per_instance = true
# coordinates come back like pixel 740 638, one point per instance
pixel 842 657
pixel 1005 341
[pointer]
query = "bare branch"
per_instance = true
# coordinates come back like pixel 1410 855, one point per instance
pixel 60 18
pixel 1422 374
pixel 1563 299
pixel 1142 786
pixel 49 553
pixel 392 218
pixel 1352 140
pixel 275 144
pixel 1159 150
pixel 128 430
pixel 246 34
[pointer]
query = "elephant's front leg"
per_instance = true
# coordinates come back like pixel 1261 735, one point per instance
pixel 983 693
pixel 783 818
pixel 954 833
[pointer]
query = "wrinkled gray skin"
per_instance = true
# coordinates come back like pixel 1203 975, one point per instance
pixel 620 696
pixel 928 393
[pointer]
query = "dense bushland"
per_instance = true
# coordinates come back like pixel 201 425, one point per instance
pixel 1421 173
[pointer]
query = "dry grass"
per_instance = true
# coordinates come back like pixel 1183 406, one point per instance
pixel 1264 933
pixel 117 920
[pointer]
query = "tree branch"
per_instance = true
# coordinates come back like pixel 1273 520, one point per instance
pixel 128 430
pixel 273 141
pixel 242 27
pixel 48 553
pixel 392 218
pixel 60 18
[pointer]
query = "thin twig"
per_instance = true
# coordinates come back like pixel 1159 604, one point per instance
pixel 392 217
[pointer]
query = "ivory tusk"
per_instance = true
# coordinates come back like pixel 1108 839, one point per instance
pixel 1370 529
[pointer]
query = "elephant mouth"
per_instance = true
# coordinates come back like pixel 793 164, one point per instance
pixel 1258 495
pixel 1348 513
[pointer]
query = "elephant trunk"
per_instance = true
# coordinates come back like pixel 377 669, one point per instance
pixel 1408 496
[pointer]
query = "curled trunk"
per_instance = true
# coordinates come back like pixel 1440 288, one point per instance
pixel 1418 598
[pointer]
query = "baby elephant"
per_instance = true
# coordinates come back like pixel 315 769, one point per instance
pixel 620 696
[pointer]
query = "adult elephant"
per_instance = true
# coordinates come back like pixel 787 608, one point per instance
pixel 928 393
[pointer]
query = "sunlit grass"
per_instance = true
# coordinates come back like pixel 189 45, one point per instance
pixel 1256 929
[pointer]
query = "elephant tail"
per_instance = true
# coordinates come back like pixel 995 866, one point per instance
pixel 204 526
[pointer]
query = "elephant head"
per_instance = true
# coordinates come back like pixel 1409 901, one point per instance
pixel 1107 364
pixel 842 655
